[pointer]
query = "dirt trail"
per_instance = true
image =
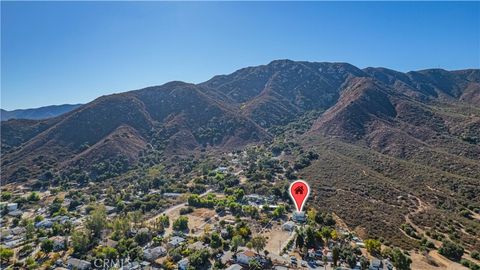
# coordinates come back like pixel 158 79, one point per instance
pixel 421 262
pixel 420 208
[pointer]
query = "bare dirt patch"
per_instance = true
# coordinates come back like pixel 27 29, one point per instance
pixel 277 238
pixel 433 261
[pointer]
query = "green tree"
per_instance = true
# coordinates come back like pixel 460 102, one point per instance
pixel 97 221
pixel 47 245
pixel 181 224
pixel 199 258
pixel 238 194
pixel 335 255
pixel 55 206
pixel 309 237
pixel 102 252
pixel 364 263
pixel 33 197
pixel 143 237
pixel 243 230
pixel 259 242
pixel 351 260
pixel 57 228
pixel 120 227
pixel 300 242
pixel 311 214
pixel 38 218
pixel 80 242
pixel 164 220
pixel 373 246
pixel 29 230
pixel 451 250
pixel 194 200
pixel 237 241
pixel 136 217
pixel 6 195
pixel 400 260
pixel 215 240
pixel 128 247
pixel 326 233
pixel 5 254
pixel 279 211
pixel 30 263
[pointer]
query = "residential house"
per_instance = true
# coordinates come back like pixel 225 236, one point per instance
pixel 288 226
pixel 376 264
pixel 197 245
pixel 299 216
pixel 183 264
pixel 175 242
pixel 153 253
pixel 15 213
pixel 12 207
pixel 60 219
pixel 255 198
pixel 17 230
pixel 221 169
pixel 226 257
pixel 234 267
pixel 46 223
pixel 14 243
pixel 245 257
pixel 77 264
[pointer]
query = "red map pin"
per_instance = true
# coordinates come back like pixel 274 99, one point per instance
pixel 299 191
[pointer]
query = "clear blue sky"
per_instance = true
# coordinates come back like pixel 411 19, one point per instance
pixel 73 52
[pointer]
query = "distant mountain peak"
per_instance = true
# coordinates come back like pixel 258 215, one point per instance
pixel 38 113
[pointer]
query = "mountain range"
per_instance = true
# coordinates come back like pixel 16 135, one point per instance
pixel 37 113
pixel 387 141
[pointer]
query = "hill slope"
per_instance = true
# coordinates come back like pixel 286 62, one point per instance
pixel 387 141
